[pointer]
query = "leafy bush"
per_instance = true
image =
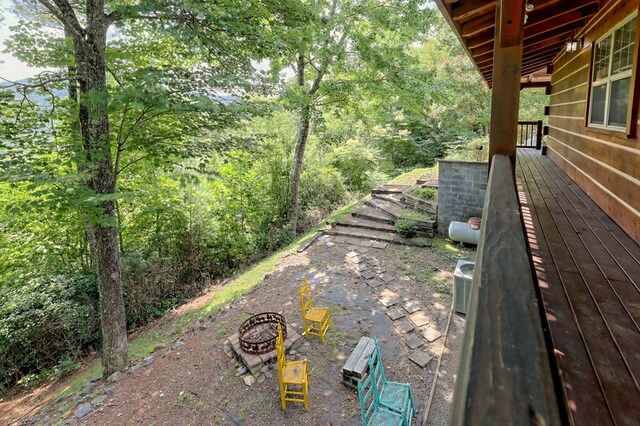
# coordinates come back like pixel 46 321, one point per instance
pixel 476 149
pixel 151 287
pixel 426 193
pixel 45 324
pixel 321 190
pixel 407 228
pixel 355 161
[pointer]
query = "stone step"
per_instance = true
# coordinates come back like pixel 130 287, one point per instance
pixel 432 183
pixel 370 213
pixel 392 198
pixel 392 209
pixel 390 189
pixel 395 211
pixel 430 207
pixel 386 237
pixel 356 222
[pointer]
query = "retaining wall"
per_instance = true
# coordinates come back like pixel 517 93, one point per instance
pixel 461 189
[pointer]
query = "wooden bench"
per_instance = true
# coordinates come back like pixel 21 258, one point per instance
pixel 357 366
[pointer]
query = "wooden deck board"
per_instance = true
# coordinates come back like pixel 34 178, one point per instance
pixel 588 272
pixel 626 252
pixel 575 366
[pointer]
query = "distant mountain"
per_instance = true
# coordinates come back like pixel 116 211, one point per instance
pixel 35 95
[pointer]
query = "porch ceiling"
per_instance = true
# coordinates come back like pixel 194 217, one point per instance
pixel 548 27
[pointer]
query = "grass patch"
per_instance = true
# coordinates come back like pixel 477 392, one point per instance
pixel 447 247
pixel 345 211
pixel 424 193
pixel 334 338
pixel 414 215
pixel 260 405
pixel 410 178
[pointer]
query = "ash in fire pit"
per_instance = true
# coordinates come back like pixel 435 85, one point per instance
pixel 258 334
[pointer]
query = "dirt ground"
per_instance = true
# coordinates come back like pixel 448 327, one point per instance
pixel 197 384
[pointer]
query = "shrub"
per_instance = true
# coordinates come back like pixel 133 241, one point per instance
pixel 45 324
pixel 321 191
pixel 355 161
pixel 151 287
pixel 426 193
pixel 407 228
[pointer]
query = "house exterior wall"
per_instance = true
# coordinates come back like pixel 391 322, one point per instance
pixel 461 189
pixel 605 163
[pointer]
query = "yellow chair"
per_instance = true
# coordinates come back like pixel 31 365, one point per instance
pixel 315 320
pixel 291 373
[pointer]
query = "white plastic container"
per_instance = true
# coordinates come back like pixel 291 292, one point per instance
pixel 460 231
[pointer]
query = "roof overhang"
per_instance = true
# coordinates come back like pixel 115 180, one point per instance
pixel 548 28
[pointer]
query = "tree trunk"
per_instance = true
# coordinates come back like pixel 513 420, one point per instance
pixel 76 134
pixel 298 157
pixel 94 125
pixel 296 172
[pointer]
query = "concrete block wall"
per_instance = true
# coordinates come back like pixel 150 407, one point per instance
pixel 461 189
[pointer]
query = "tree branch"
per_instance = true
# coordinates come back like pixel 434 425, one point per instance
pixel 66 15
pixel 41 85
pixel 131 163
pixel 112 17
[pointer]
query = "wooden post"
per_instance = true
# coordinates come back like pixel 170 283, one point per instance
pixel 539 135
pixel 507 64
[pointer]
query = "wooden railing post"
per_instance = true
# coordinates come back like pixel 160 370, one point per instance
pixel 504 377
pixel 507 64
pixel 539 136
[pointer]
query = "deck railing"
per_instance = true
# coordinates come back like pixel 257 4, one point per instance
pixel 505 376
pixel 529 134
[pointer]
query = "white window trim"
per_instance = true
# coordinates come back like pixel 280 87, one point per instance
pixel 609 78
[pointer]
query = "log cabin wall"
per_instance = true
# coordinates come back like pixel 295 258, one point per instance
pixel 605 163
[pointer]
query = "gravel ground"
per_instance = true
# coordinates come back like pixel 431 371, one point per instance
pixel 196 383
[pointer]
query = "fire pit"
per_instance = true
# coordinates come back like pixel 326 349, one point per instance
pixel 258 334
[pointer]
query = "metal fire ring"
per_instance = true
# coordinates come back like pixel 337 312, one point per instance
pixel 261 344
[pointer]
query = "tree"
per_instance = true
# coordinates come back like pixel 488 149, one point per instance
pixel 350 43
pixel 215 42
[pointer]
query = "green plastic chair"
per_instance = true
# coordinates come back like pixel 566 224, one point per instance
pixel 394 396
pixel 372 413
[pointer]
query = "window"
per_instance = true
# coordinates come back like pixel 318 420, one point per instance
pixel 611 76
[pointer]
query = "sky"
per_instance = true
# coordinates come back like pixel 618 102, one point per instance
pixel 10 67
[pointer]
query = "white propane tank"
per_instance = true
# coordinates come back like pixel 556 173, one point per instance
pixel 460 231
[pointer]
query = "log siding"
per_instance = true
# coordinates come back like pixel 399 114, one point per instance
pixel 605 163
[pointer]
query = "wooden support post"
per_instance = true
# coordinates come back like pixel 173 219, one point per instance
pixel 539 135
pixel 507 64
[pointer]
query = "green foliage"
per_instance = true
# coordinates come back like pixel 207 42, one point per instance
pixel 45 323
pixel 356 162
pixel 476 149
pixel 414 215
pixel 406 227
pixel 423 192
pixel 203 141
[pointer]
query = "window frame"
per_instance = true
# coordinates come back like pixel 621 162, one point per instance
pixel 632 74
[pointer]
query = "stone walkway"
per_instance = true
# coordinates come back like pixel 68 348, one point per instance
pixel 391 295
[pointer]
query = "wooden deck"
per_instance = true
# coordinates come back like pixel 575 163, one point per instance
pixel 588 272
